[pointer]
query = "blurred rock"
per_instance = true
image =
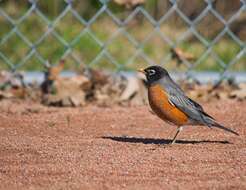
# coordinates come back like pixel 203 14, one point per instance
pixel 11 79
pixel 135 91
pixel 91 86
pixel 240 93
pixel 4 94
pixel 12 85
pixel 51 75
pixel 67 91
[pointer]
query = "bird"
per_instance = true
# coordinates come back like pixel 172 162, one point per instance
pixel 170 103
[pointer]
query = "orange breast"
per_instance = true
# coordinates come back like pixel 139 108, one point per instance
pixel 158 101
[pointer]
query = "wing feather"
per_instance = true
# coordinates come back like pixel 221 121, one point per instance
pixel 188 106
pixel 192 109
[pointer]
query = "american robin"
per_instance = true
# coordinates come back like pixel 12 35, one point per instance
pixel 170 103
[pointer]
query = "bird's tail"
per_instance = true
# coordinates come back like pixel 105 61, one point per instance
pixel 210 122
pixel 215 124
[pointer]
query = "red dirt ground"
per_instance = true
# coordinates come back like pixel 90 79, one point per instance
pixel 118 148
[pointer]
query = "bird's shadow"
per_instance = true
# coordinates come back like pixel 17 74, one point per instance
pixel 126 139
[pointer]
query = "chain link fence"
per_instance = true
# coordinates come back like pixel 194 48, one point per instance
pixel 115 40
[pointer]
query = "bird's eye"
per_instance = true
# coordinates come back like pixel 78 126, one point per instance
pixel 151 72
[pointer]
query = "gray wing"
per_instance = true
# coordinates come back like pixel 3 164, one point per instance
pixel 192 109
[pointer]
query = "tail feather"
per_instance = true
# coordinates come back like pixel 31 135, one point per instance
pixel 215 124
pixel 210 122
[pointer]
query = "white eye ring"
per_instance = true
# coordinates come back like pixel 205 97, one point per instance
pixel 151 72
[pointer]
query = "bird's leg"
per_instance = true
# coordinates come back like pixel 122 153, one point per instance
pixel 174 138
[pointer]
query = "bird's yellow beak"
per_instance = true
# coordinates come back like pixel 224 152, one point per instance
pixel 141 70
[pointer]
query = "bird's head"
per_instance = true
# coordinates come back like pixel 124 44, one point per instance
pixel 154 73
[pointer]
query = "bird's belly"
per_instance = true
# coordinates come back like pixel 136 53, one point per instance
pixel 159 103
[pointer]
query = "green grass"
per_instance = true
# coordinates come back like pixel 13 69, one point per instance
pixel 86 48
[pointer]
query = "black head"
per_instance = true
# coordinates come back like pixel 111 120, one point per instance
pixel 154 73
